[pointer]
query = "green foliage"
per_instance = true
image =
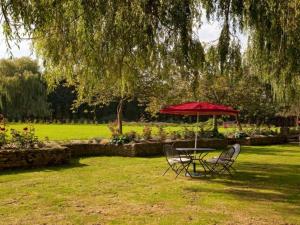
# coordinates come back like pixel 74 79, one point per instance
pixel 188 133
pixel 3 131
pixel 148 50
pixel 3 136
pixel 147 133
pixel 161 134
pixel 113 129
pixel 211 134
pixel 24 139
pixel 175 135
pixel 240 135
pixel 23 91
pixel 12 67
pixel 120 140
pixel 124 138
pixel 252 131
pixel 132 135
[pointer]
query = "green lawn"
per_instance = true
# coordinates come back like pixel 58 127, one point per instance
pixel 116 190
pixel 86 131
pixel 79 131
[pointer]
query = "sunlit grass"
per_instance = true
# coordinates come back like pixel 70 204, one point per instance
pixel 116 190
pixel 88 131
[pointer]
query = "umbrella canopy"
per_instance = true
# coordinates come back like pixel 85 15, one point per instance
pixel 199 108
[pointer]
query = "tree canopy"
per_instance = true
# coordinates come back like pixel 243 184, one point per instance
pixel 98 37
pixel 23 92
pixel 107 48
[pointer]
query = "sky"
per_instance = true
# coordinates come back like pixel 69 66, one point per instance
pixel 208 33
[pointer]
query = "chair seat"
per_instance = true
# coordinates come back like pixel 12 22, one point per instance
pixel 215 160
pixel 179 160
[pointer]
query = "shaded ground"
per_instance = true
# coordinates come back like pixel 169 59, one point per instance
pixel 116 190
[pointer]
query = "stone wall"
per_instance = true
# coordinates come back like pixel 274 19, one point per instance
pixel 13 158
pixel 62 155
pixel 268 140
pixel 138 149
pixel 87 149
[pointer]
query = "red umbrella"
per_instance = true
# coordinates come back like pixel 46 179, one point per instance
pixel 199 108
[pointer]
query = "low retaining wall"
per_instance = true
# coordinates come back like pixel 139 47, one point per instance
pixel 268 140
pixel 13 158
pixel 138 149
pixel 87 149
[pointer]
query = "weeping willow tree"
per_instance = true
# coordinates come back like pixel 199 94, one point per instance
pixel 274 28
pixel 23 92
pixel 102 47
pixel 90 42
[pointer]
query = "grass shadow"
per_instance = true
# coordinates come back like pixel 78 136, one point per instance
pixel 255 181
pixel 283 150
pixel 74 163
pixel 261 183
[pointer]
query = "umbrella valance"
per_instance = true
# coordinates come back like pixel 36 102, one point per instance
pixel 199 108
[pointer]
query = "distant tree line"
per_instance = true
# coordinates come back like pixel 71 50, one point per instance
pixel 24 96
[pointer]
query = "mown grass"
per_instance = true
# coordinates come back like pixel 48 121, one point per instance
pixel 116 190
pixel 88 131
pixel 81 131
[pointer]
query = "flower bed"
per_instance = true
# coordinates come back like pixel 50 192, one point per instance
pixel 27 158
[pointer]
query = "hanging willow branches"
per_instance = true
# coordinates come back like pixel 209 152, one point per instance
pixel 91 39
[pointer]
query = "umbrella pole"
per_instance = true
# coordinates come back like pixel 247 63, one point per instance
pixel 196 133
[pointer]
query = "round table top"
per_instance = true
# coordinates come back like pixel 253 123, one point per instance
pixel 196 149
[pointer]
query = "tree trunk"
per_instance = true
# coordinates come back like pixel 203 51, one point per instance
pixel 120 116
pixel 215 125
pixel 297 122
pixel 238 123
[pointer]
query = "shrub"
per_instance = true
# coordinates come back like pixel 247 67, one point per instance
pixel 240 135
pixel 267 132
pixel 119 140
pixel 162 134
pixel 294 131
pixel 188 134
pixel 3 136
pixel 113 129
pixel 124 139
pixel 25 138
pixel 131 135
pixel 216 134
pixel 175 135
pixel 147 133
pixel 3 130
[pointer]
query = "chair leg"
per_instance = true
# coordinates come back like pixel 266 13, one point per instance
pixel 184 167
pixel 227 169
pixel 179 173
pixel 166 171
pixel 187 169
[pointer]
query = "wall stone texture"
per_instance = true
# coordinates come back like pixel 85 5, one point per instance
pixel 150 148
pixel 15 158
pixel 28 158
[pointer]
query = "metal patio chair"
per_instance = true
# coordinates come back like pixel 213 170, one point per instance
pixel 177 162
pixel 224 163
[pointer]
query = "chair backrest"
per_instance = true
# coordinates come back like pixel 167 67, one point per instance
pixel 170 151
pixel 237 151
pixel 227 154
